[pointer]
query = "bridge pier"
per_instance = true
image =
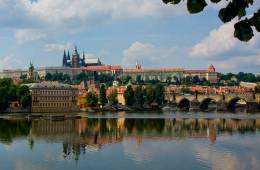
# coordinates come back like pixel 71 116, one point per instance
pixel 252 107
pixel 221 106
pixel 195 105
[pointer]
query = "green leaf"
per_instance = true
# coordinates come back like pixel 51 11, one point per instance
pixel 196 6
pixel 256 20
pixel 215 1
pixel 171 1
pixel 228 13
pixel 241 12
pixel 243 30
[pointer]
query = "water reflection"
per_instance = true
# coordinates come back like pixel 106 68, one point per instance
pixel 92 135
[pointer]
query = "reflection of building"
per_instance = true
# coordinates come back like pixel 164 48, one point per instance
pixel 169 74
pixel 53 97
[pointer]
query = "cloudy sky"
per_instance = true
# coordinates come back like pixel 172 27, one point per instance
pixel 121 32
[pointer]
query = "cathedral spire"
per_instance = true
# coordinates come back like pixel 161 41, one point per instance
pixel 64 61
pixel 68 56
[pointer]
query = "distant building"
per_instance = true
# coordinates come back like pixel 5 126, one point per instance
pixel 105 69
pixel 169 74
pixel 210 74
pixel 53 97
pixel 76 61
pixel 257 74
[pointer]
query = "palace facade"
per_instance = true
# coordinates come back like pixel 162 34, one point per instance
pixel 55 97
pixel 170 74
pixel 76 64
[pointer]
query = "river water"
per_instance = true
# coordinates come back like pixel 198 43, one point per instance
pixel 132 141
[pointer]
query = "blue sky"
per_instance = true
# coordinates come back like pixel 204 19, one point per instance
pixel 121 33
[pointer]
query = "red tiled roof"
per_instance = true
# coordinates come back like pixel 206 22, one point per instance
pixel 101 68
pixel 196 71
pixel 153 70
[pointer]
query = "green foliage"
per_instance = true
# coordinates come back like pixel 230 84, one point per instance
pixel 81 77
pixel 3 99
pixel 159 94
pixel 195 6
pixel 129 96
pixel 104 78
pixel 126 80
pixel 92 99
pixel 139 96
pixel 102 95
pixel 112 97
pixel 24 96
pixel 10 92
pixel 235 8
pixel 26 100
pixel 150 94
pixel 58 77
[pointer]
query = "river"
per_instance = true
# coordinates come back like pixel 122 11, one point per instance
pixel 132 141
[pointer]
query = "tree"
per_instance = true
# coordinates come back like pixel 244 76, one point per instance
pixel 92 99
pixel 102 95
pixel 81 76
pixel 139 79
pixel 24 96
pixel 235 8
pixel 150 94
pixel 139 96
pixel 26 100
pixel 48 77
pixel 3 99
pixel 159 94
pixel 112 97
pixel 129 96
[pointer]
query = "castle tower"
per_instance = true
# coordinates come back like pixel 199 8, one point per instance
pixel 31 72
pixel 64 61
pixel 75 58
pixel 211 68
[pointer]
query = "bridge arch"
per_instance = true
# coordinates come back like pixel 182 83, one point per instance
pixel 237 104
pixel 184 104
pixel 208 104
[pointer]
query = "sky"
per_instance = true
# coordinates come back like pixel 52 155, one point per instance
pixel 122 32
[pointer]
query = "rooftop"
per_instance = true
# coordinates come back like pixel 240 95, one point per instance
pixel 48 84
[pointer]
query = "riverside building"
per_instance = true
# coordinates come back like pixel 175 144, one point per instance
pixel 53 97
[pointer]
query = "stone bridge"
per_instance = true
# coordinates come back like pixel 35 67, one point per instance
pixel 223 102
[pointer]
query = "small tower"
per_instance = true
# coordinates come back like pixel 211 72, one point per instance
pixel 138 66
pixel 75 58
pixel 31 72
pixel 64 61
pixel 211 68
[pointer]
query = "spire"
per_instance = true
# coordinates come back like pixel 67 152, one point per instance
pixel 68 56
pixel 64 61
pixel 75 52
pixel 64 54
pixel 84 56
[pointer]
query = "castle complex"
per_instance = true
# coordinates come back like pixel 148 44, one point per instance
pixel 76 63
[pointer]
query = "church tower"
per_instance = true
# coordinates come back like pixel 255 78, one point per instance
pixel 64 61
pixel 75 58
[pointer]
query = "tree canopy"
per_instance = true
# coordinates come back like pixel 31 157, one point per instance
pixel 234 8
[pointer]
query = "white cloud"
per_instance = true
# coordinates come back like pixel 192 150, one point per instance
pixel 218 41
pixel 28 35
pixel 9 62
pixel 148 55
pixel 57 47
pixel 239 63
pixel 60 11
